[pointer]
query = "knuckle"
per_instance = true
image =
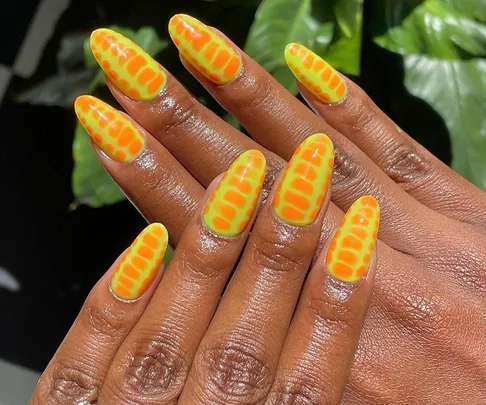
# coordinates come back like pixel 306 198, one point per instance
pixel 234 374
pixel 404 164
pixel 299 391
pixel 271 252
pixel 200 267
pixel 70 384
pixel 259 95
pixel 104 322
pixel 179 113
pixel 348 175
pixel 361 114
pixel 329 316
pixel 156 369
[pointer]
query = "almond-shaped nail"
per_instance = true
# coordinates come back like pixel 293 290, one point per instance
pixel 303 186
pixel 314 73
pixel 140 263
pixel 234 200
pixel 109 129
pixel 205 49
pixel 351 248
pixel 132 69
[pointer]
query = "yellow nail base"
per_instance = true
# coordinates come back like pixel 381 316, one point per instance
pixel 206 50
pixel 109 129
pixel 140 263
pixel 132 69
pixel 351 248
pixel 315 74
pixel 303 186
pixel 232 204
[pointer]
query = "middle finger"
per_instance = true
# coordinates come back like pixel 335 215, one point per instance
pixel 237 359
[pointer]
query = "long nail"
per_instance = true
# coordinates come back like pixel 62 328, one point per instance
pixel 315 74
pixel 232 204
pixel 303 186
pixel 131 68
pixel 110 130
pixel 140 263
pixel 351 248
pixel 205 49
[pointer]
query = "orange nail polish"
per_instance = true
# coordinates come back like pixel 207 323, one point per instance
pixel 205 49
pixel 351 248
pixel 303 186
pixel 140 263
pixel 109 129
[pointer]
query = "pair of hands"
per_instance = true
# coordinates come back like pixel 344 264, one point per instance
pixel 423 339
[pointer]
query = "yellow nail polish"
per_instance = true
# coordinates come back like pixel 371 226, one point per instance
pixel 303 186
pixel 231 205
pixel 140 263
pixel 206 50
pixel 351 248
pixel 110 130
pixel 131 68
pixel 315 74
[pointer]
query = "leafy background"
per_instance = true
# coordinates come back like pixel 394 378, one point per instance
pixel 421 61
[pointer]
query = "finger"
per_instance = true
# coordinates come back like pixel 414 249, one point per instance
pixel 236 361
pixel 151 177
pixel 280 122
pixel 153 362
pixel 324 334
pixel 78 369
pixel 170 113
pixel 404 160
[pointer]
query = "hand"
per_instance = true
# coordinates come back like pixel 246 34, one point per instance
pixel 423 340
pixel 138 340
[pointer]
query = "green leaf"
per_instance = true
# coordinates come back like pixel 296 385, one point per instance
pixel 60 90
pixel 277 23
pixel 437 29
pixel 92 185
pixel 332 29
pixel 441 40
pixel 345 53
pixel 457 91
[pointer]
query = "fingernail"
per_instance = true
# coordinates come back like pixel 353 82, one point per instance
pixel 140 263
pixel 206 50
pixel 303 186
pixel 351 248
pixel 231 205
pixel 315 74
pixel 110 130
pixel 131 68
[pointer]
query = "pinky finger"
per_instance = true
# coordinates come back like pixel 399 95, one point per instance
pixel 324 333
pixel 78 369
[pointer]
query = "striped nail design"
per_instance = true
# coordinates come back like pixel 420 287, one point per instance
pixel 349 254
pixel 131 68
pixel 303 186
pixel 110 130
pixel 315 74
pixel 206 50
pixel 140 263
pixel 231 205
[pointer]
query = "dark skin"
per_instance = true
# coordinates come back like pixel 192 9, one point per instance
pixel 423 341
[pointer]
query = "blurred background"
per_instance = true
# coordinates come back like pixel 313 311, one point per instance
pixel 63 221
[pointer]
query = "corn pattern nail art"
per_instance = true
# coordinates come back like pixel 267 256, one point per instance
pixel 131 68
pixel 315 74
pixel 351 248
pixel 206 50
pixel 303 186
pixel 140 263
pixel 110 130
pixel 231 205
